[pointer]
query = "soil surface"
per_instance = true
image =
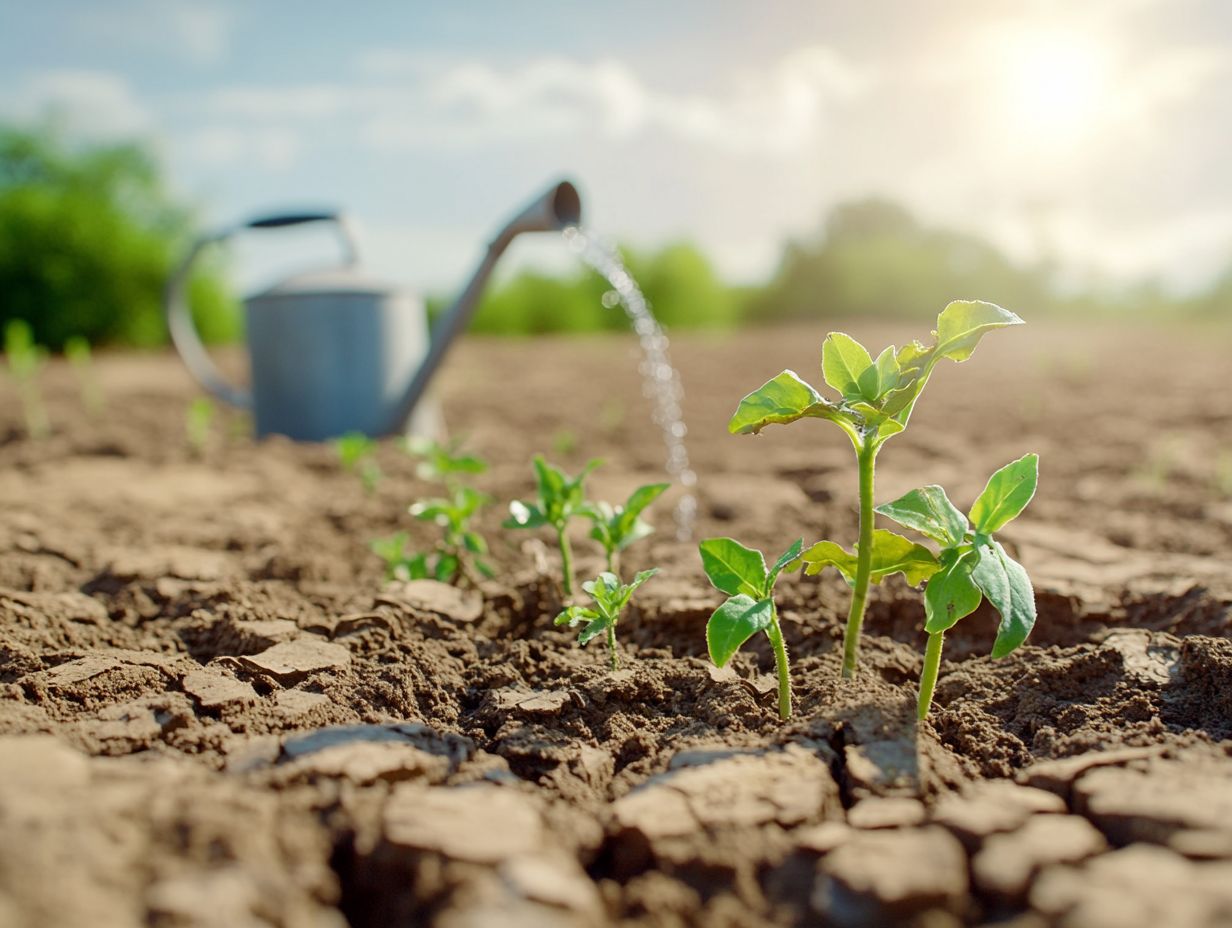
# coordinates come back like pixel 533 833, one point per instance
pixel 215 711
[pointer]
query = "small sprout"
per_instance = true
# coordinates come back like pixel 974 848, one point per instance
pixel 198 421
pixel 357 452
pixel 460 550
pixel 617 527
pixel 443 463
pixel 77 351
pixel 610 597
pixel 877 398
pixel 25 360
pixel 400 563
pixel 561 497
pixel 971 565
pixel 741 573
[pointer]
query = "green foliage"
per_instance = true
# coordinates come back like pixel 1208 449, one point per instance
pixel 88 235
pixel 741 573
pixel 77 352
pixel 617 527
pixel 460 551
pixel 25 361
pixel 610 597
pixel 972 565
pixel 198 423
pixel 560 498
pixel 876 399
pixel 357 454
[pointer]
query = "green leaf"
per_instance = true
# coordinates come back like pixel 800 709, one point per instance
pixel 928 511
pixel 734 623
pixel 843 361
pixel 642 577
pixel 892 553
pixel 880 377
pixel 788 560
pixel 951 594
pixel 522 515
pixel 962 324
pixel 593 630
pixel 446 568
pixel 784 399
pixel 575 614
pixel 474 543
pixel 1006 495
pixel 733 568
pixel 551 480
pixel 1006 584
pixel 624 526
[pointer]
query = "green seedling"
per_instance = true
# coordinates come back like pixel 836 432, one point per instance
pixel 877 398
pixel 198 421
pixel 77 351
pixel 561 497
pixel 741 573
pixel 610 597
pixel 617 527
pixel 25 360
pixel 971 565
pixel 460 550
pixel 444 463
pixel 357 452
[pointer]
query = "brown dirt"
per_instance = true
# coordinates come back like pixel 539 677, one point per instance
pixel 213 711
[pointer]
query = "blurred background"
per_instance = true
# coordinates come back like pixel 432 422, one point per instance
pixel 756 164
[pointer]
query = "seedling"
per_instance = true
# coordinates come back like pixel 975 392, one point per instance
pixel 444 463
pixel 971 564
pixel 617 527
pixel 198 420
pixel 77 351
pixel 561 497
pixel 877 398
pixel 610 597
pixel 25 360
pixel 460 551
pixel 741 573
pixel 357 452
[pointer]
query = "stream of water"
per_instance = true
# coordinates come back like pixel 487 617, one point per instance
pixel 660 380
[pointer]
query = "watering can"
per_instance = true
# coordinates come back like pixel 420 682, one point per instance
pixel 334 351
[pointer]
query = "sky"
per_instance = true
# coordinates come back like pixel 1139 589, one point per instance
pixel 1097 133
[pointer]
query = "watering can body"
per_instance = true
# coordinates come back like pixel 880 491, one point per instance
pixel 334 351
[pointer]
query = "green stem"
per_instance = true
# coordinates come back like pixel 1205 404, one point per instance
pixel 928 677
pixel 611 645
pixel 613 563
pixel 566 562
pixel 780 662
pixel 866 456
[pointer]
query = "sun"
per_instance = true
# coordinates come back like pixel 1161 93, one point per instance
pixel 1054 82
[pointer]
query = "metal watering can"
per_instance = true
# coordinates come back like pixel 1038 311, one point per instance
pixel 334 351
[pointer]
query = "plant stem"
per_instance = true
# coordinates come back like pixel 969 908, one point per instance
pixel 566 562
pixel 780 662
pixel 928 677
pixel 611 645
pixel 613 563
pixel 866 456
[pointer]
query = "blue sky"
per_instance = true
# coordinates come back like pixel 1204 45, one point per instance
pixel 1095 132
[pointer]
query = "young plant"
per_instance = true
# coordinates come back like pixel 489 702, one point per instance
pixel 561 497
pixel 25 360
pixel 741 573
pixel 444 463
pixel 198 420
pixel 460 550
pixel 617 527
pixel 610 597
pixel 357 452
pixel 877 398
pixel 77 351
pixel 972 564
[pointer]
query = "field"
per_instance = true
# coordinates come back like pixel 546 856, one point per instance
pixel 214 712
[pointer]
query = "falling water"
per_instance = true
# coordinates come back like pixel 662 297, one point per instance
pixel 660 381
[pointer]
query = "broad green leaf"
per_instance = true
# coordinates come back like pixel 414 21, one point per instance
pixel 639 530
pixel 446 567
pixel 1006 495
pixel 734 623
pixel 962 324
pixel 880 377
pixel 784 399
pixel 788 560
pixel 522 515
pixel 551 479
pixel 929 511
pixel 843 361
pixel 625 525
pixel 951 595
pixel 733 568
pixel 641 577
pixel 1007 586
pixel 575 614
pixel 474 543
pixel 593 630
pixel 643 496
pixel 892 553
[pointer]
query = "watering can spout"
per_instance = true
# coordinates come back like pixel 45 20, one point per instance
pixel 558 208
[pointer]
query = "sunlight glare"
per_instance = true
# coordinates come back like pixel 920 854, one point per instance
pixel 1055 82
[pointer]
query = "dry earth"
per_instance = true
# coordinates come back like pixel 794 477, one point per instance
pixel 214 712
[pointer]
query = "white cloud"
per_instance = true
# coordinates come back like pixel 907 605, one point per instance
pixel 198 30
pixel 89 103
pixel 273 149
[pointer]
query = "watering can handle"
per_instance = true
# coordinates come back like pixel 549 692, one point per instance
pixel 179 316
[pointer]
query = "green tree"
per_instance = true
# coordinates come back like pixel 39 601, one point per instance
pixel 88 234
